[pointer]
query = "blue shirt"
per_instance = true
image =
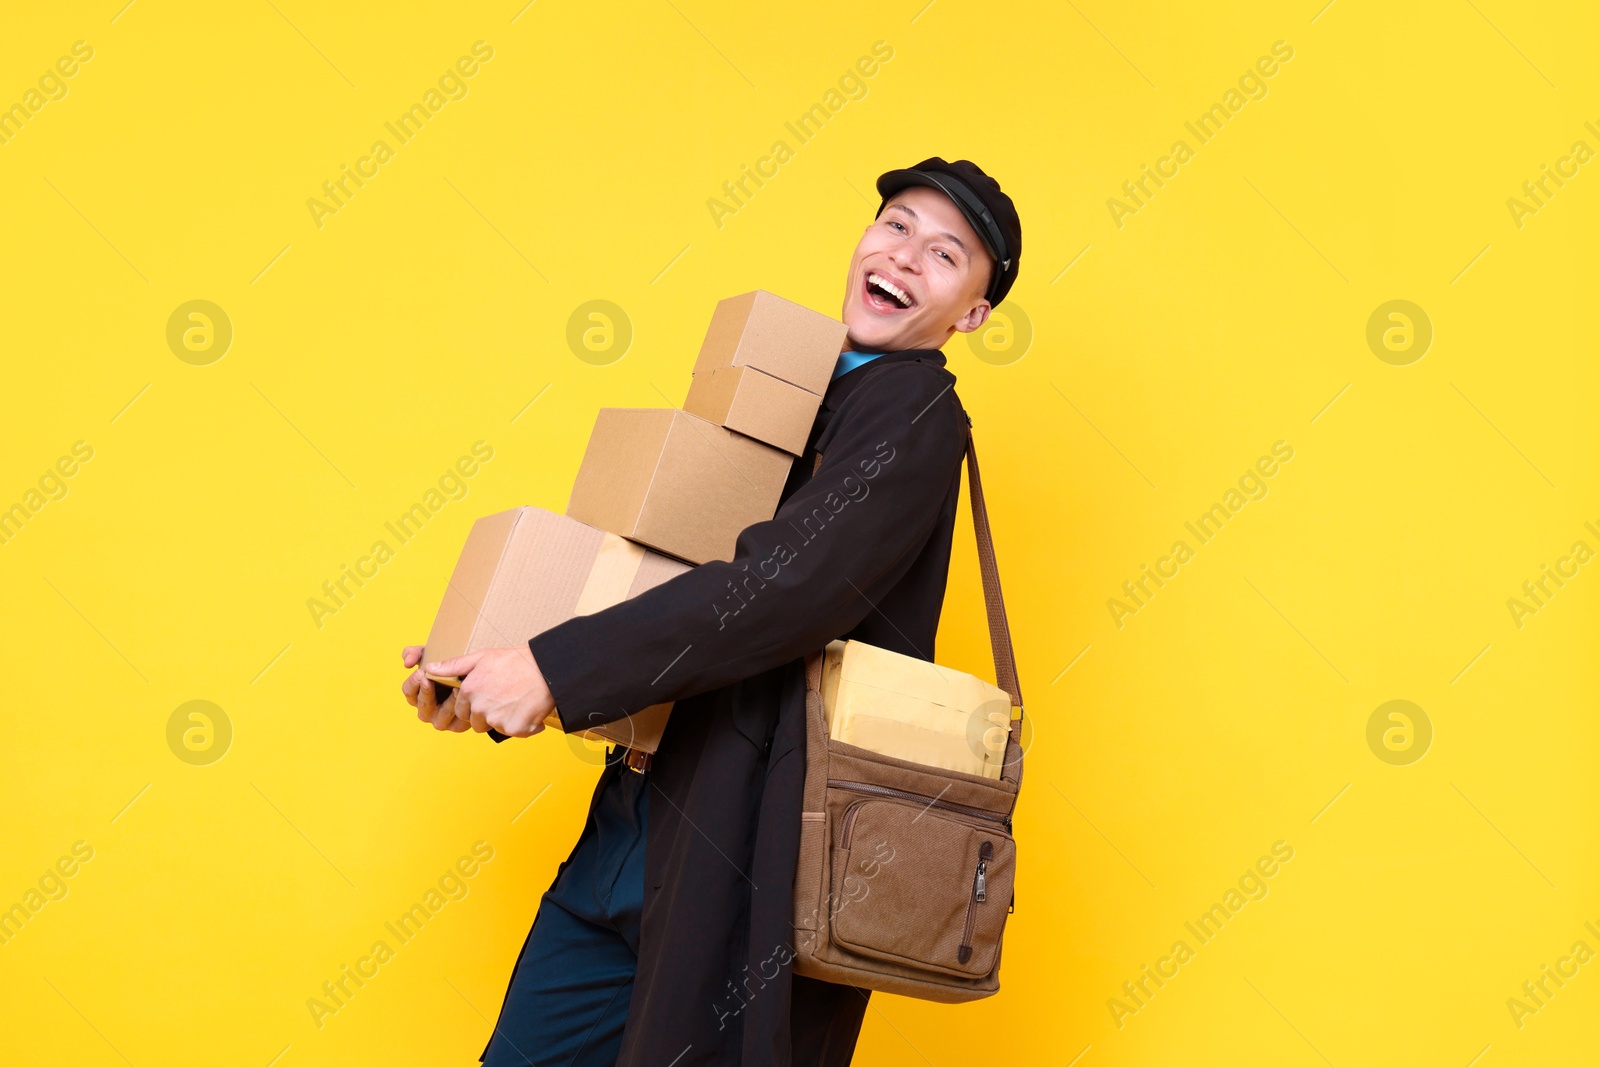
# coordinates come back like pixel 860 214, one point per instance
pixel 849 361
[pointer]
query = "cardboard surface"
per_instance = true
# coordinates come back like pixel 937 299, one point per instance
pixel 782 338
pixel 675 482
pixel 914 710
pixel 756 404
pixel 525 570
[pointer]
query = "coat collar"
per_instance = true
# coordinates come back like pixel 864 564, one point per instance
pixel 843 385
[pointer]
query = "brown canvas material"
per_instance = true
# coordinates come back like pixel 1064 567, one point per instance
pixel 888 893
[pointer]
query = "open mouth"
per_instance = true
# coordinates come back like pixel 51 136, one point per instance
pixel 884 296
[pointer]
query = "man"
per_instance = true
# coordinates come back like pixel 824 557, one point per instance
pixel 665 938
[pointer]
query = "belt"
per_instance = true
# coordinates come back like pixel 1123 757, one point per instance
pixel 632 758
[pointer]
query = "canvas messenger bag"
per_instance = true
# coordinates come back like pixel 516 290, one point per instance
pixel 904 876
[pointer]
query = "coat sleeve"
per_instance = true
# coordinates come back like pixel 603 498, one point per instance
pixel 803 578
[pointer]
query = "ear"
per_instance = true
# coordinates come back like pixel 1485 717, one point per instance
pixel 977 316
pixel 979 313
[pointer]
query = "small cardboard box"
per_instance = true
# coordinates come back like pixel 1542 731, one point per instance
pixel 675 482
pixel 771 334
pixel 755 404
pixel 525 570
pixel 914 710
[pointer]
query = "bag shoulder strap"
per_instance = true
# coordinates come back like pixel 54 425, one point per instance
pixel 1005 656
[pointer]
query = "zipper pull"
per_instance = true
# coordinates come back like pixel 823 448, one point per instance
pixel 980 888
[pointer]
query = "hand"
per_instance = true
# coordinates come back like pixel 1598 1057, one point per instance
pixel 418 691
pixel 502 688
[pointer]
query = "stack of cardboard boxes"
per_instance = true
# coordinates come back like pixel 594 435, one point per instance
pixel 686 482
pixel 680 483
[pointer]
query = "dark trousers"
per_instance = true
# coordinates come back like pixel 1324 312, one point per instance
pixel 570 989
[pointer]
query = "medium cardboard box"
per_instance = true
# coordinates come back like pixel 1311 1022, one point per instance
pixel 771 334
pixel 675 482
pixel 525 570
pixel 755 404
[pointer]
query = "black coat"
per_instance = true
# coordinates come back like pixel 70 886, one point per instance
pixel 859 550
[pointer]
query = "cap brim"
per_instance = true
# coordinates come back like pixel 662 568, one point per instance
pixel 898 180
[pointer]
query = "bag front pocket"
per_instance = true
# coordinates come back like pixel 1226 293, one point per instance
pixel 922 886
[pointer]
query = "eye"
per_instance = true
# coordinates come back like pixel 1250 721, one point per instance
pixel 896 224
pixel 946 255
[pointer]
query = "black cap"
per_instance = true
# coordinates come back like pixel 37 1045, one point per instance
pixel 990 212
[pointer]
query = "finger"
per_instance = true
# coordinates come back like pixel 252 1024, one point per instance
pixel 411 686
pixel 443 717
pixel 455 667
pixel 479 722
pixel 411 655
pixel 424 703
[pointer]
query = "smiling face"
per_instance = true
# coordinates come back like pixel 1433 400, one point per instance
pixel 922 246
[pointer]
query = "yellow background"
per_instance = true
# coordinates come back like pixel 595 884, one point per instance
pixel 1229 313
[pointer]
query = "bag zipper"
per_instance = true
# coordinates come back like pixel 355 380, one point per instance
pixel 904 794
pixel 980 893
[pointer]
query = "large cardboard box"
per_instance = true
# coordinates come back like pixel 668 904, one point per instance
pixel 675 482
pixel 525 570
pixel 774 335
pixel 756 404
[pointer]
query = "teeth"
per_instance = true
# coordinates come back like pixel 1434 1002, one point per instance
pixel 873 278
